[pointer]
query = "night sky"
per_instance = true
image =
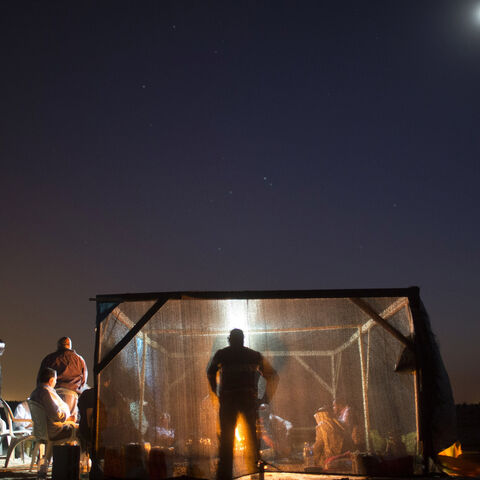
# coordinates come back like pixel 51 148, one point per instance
pixel 168 146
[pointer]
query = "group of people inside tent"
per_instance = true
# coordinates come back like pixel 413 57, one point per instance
pixel 337 434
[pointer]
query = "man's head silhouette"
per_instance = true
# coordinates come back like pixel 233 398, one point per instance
pixel 64 343
pixel 235 339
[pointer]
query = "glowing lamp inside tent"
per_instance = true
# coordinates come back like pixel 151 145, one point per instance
pixel 237 316
pixel 240 435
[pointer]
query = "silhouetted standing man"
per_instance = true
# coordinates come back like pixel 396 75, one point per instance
pixel 240 368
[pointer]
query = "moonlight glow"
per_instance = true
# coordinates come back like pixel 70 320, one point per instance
pixel 476 14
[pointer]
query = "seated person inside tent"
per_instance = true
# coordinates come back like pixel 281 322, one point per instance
pixel 331 439
pixel 345 414
pixel 115 422
pixel 164 433
pixel 274 434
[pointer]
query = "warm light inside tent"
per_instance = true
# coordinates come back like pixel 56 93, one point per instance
pixel 237 317
pixel 323 348
pixel 240 435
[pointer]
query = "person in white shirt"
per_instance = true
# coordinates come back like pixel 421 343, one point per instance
pixel 60 424
pixel 22 411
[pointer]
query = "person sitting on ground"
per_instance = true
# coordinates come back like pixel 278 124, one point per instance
pixel 60 424
pixel 345 414
pixel 165 434
pixel 329 437
pixel 274 433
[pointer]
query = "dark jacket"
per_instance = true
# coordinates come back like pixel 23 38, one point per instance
pixel 240 368
pixel 70 367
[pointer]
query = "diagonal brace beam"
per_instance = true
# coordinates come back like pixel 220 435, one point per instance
pixel 366 308
pixel 320 380
pixel 130 334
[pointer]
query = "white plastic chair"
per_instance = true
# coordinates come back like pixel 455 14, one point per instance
pixel 14 437
pixel 40 436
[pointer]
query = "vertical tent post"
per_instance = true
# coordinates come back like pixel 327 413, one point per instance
pixel 142 383
pixel 97 396
pixel 424 440
pixel 166 395
pixel 334 383
pixel 364 391
pixel 103 310
pixel 416 385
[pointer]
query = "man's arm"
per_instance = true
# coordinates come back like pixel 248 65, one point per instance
pixel 285 424
pixel 55 408
pixel 212 370
pixel 271 377
pixel 85 372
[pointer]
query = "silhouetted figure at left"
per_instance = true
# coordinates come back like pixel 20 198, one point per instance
pixel 240 369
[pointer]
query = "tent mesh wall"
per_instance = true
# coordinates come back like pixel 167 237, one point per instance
pixel 155 408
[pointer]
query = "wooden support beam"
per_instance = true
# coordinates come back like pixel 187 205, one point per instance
pixel 130 335
pixel 367 309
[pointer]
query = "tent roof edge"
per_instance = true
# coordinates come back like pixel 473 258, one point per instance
pixel 411 292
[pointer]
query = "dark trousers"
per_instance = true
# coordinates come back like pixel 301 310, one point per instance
pixel 231 406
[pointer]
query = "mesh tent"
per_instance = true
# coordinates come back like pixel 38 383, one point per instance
pixel 371 353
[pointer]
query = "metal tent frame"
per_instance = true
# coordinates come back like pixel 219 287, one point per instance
pixel 407 298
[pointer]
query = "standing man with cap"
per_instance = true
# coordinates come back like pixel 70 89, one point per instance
pixel 71 372
pixel 240 369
